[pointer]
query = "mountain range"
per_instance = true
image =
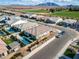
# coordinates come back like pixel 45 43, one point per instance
pixel 48 4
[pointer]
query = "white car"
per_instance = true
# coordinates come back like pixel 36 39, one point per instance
pixel 60 34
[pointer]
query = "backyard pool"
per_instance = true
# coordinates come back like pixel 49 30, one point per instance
pixel 27 38
pixel 24 41
pixel 30 36
pixel 2 33
pixel 26 34
pixel 12 30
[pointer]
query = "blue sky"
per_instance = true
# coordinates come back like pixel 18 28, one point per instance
pixel 34 2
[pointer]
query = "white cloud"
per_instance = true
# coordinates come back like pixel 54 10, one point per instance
pixel 63 0
pixel 40 1
pixel 33 2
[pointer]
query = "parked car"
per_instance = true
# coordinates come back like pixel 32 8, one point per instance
pixel 62 32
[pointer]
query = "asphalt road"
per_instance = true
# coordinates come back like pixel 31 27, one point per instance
pixel 52 49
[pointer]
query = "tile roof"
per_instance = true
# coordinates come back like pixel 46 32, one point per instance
pixel 2 47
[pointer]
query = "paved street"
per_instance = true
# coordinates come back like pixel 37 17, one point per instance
pixel 52 49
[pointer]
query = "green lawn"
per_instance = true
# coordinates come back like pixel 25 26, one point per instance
pixel 34 11
pixel 8 41
pixel 70 14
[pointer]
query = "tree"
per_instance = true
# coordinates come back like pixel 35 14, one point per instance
pixel 51 10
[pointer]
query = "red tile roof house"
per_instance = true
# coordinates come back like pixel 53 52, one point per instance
pixel 3 49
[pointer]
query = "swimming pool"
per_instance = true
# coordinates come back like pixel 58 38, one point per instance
pixel 26 34
pixel 12 30
pixel 27 38
pixel 24 41
pixel 2 33
pixel 30 36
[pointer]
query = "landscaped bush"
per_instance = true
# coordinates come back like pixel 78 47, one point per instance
pixel 16 55
pixel 70 53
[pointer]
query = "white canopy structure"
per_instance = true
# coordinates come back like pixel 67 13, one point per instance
pixel 24 24
pixel 19 22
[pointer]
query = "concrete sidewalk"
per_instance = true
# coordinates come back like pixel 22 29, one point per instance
pixel 65 47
